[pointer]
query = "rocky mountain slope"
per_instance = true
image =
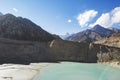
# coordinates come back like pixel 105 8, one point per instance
pixel 86 36
pixel 103 32
pixel 19 28
pixel 96 33
pixel 113 41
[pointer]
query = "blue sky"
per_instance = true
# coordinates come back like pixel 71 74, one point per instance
pixel 62 16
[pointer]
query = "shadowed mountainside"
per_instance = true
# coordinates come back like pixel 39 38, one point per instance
pixel 19 28
pixel 16 51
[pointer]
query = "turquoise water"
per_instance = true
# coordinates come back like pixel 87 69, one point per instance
pixel 79 71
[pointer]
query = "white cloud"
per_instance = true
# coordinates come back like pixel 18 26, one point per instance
pixel 103 20
pixel 15 10
pixel 69 21
pixel 86 17
pixel 116 16
pixel 108 19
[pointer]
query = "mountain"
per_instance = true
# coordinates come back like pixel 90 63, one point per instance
pixel 114 29
pixel 86 36
pixel 56 36
pixel 65 36
pixel 96 33
pixel 113 41
pixel 104 32
pixel 1 14
pixel 19 28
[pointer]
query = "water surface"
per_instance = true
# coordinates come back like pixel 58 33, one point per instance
pixel 79 71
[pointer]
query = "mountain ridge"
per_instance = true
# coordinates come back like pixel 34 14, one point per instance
pixel 22 29
pixel 96 33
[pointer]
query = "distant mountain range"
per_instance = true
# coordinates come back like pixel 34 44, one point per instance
pixel 65 36
pixel 96 33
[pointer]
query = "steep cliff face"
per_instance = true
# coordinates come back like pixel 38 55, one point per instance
pixel 24 52
pixel 107 53
pixel 72 51
pixel 16 51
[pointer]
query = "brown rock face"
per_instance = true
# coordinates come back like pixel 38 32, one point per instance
pixel 14 51
pixel 25 52
pixel 72 51
pixel 83 52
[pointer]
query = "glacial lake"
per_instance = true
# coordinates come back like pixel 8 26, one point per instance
pixel 79 71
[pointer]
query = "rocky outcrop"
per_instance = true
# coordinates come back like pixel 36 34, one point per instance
pixel 107 53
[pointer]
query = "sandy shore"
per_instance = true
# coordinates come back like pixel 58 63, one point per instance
pixel 21 72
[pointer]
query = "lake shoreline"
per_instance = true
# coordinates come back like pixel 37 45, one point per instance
pixel 114 64
pixel 31 71
pixel 21 72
